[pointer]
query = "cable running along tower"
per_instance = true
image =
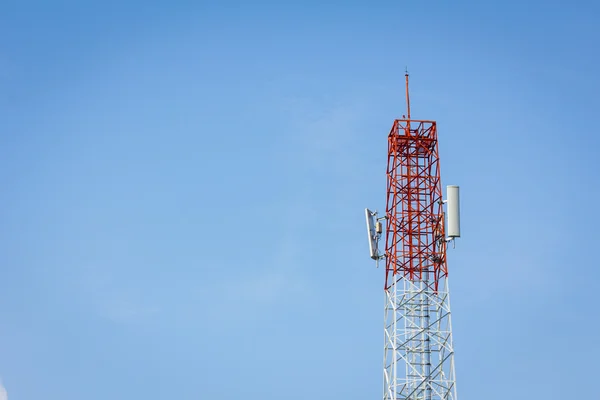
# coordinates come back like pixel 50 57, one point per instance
pixel 418 352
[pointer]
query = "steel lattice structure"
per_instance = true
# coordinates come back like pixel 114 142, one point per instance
pixel 418 351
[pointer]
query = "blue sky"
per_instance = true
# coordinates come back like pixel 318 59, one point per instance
pixel 184 185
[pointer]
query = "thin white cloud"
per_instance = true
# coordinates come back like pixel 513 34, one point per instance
pixel 3 393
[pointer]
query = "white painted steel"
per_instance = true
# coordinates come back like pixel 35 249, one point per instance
pixel 418 351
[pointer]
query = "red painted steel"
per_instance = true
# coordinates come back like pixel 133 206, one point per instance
pixel 415 245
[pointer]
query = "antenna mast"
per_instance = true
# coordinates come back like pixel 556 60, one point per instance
pixel 407 96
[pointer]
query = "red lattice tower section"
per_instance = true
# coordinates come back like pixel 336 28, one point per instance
pixel 415 245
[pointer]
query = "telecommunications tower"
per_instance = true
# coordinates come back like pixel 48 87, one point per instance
pixel 418 353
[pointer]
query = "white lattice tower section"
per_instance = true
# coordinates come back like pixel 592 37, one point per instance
pixel 418 357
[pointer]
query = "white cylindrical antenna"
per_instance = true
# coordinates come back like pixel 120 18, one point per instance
pixel 453 211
